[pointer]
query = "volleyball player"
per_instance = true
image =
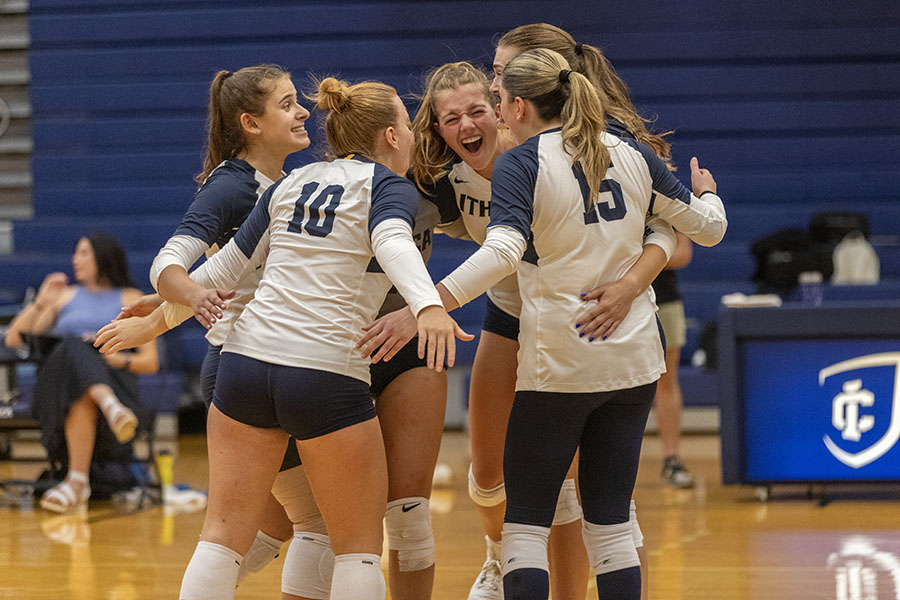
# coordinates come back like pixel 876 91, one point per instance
pixel 412 437
pixel 570 201
pixel 458 140
pixel 254 122
pixel 288 364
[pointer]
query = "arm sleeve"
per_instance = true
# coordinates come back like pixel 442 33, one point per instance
pixel 247 250
pixel 498 257
pixel 397 254
pixel 181 250
pixel 512 209
pixel 175 314
pixel 658 231
pixel 218 208
pixel 701 219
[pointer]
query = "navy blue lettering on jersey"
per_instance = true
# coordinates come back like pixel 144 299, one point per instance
pixel 512 187
pixel 442 195
pixel 594 211
pixel 472 205
pixel 332 194
pixel 664 182
pixel 221 204
pixel 393 197
pixel 248 236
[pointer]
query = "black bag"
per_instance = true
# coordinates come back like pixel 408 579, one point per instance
pixel 831 227
pixel 782 255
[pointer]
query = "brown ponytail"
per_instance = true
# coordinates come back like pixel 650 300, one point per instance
pixel 230 95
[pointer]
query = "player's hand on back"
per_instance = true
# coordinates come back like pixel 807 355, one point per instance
pixel 385 336
pixel 208 304
pixel 613 302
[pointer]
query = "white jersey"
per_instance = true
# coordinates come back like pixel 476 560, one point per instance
pixel 315 235
pixel 544 223
pixel 217 211
pixel 468 196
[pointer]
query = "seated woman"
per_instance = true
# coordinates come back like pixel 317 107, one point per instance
pixel 74 382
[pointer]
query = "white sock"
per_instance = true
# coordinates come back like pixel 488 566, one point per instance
pixel 264 550
pixel 357 577
pixel 211 574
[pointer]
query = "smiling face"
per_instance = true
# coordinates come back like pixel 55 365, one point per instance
pixel 283 123
pixel 468 124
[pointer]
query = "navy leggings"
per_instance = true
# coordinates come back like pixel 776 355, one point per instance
pixel 545 429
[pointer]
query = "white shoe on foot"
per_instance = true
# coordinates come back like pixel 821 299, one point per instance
pixel 489 584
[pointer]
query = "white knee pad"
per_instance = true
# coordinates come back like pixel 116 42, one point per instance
pixel 609 547
pixel 264 550
pixel 211 574
pixel 636 532
pixel 308 566
pixel 357 577
pixel 483 497
pixel 567 508
pixel 524 547
pixel 408 524
pixel 291 489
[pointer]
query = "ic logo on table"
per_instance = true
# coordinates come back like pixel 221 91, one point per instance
pixel 849 415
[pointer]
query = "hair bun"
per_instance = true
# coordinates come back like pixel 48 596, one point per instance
pixel 333 94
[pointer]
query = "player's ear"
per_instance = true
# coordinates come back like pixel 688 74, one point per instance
pixel 249 124
pixel 390 136
pixel 521 108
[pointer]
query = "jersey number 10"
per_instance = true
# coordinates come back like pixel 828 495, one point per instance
pixel 594 211
pixel 331 194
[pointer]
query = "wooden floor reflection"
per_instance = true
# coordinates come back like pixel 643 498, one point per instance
pixel 711 542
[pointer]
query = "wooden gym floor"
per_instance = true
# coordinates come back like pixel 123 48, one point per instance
pixel 712 542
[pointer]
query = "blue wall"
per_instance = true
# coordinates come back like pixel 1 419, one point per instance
pixel 794 107
pixel 785 102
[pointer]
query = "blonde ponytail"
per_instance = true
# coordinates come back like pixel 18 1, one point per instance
pixel 544 78
pixel 356 114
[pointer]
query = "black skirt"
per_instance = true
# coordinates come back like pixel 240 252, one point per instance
pixel 63 376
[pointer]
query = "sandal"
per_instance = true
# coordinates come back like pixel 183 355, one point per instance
pixel 63 499
pixel 121 419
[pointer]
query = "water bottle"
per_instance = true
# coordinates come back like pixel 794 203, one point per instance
pixel 812 288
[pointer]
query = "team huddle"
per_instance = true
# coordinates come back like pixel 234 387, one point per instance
pixel 317 301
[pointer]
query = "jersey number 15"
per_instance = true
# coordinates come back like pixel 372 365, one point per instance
pixel 594 211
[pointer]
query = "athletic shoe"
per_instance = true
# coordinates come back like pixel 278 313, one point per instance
pixel 676 474
pixel 489 585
